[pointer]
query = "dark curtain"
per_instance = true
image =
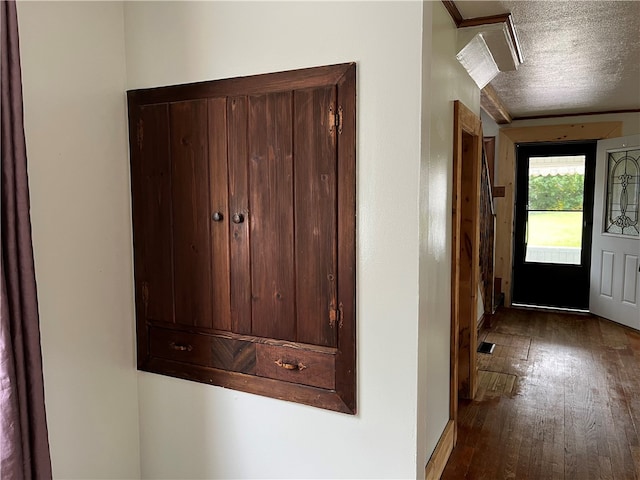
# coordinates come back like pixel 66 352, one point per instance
pixel 24 445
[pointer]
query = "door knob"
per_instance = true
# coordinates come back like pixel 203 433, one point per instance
pixel 238 218
pixel 217 217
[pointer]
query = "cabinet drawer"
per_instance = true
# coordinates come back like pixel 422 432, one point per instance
pixel 180 346
pixel 203 350
pixel 296 366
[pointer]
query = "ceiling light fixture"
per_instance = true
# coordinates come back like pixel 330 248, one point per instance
pixel 478 61
pixel 486 50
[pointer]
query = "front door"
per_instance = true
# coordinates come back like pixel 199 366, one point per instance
pixel 553 221
pixel 615 276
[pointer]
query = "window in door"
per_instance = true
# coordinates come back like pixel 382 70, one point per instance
pixel 623 193
pixel 554 209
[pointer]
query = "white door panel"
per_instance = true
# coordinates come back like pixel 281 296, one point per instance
pixel 615 260
pixel 606 274
pixel 630 287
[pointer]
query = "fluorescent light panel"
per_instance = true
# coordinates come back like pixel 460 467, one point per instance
pixel 477 59
pixel 485 50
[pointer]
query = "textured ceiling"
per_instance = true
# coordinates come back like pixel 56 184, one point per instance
pixel 579 56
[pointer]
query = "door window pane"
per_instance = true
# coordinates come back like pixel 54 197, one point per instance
pixel 623 192
pixel 554 209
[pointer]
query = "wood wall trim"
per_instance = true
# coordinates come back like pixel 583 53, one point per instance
pixel 584 114
pixel 508 138
pixel 493 106
pixel 455 14
pixel 488 20
pixel 440 456
pixel 481 321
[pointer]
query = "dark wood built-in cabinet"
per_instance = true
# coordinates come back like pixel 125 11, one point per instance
pixel 243 196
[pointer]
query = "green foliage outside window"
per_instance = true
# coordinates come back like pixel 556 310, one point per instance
pixel 557 192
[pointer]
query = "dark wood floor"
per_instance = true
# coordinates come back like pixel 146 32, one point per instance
pixel 559 398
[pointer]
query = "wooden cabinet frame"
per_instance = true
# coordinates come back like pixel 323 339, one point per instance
pixel 205 231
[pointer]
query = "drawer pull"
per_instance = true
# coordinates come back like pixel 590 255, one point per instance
pixel 180 348
pixel 290 366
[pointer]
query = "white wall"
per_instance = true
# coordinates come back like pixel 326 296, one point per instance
pixel 190 430
pixel 444 80
pixel 74 78
pixel 489 127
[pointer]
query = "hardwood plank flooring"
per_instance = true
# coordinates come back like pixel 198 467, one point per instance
pixel 558 399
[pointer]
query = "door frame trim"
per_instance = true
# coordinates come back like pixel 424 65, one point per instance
pixel 507 138
pixel 465 256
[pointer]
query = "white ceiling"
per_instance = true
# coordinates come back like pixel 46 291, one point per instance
pixel 579 56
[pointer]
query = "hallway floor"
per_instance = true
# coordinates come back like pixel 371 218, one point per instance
pixel 559 398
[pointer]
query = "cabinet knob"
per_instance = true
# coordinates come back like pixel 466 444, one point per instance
pixel 238 218
pixel 217 217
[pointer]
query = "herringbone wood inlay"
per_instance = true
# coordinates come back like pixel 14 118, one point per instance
pixel 233 355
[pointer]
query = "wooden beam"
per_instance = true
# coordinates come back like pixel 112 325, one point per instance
pixel 493 106
pixel 579 114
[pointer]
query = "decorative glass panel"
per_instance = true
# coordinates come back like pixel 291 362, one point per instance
pixel 623 192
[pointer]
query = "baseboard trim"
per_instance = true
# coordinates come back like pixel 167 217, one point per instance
pixel 440 456
pixel 482 321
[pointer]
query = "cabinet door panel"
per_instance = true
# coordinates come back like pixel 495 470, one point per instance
pixel 218 193
pixel 315 217
pixel 271 215
pixel 151 199
pixel 243 197
pixel 190 196
pixel 239 232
